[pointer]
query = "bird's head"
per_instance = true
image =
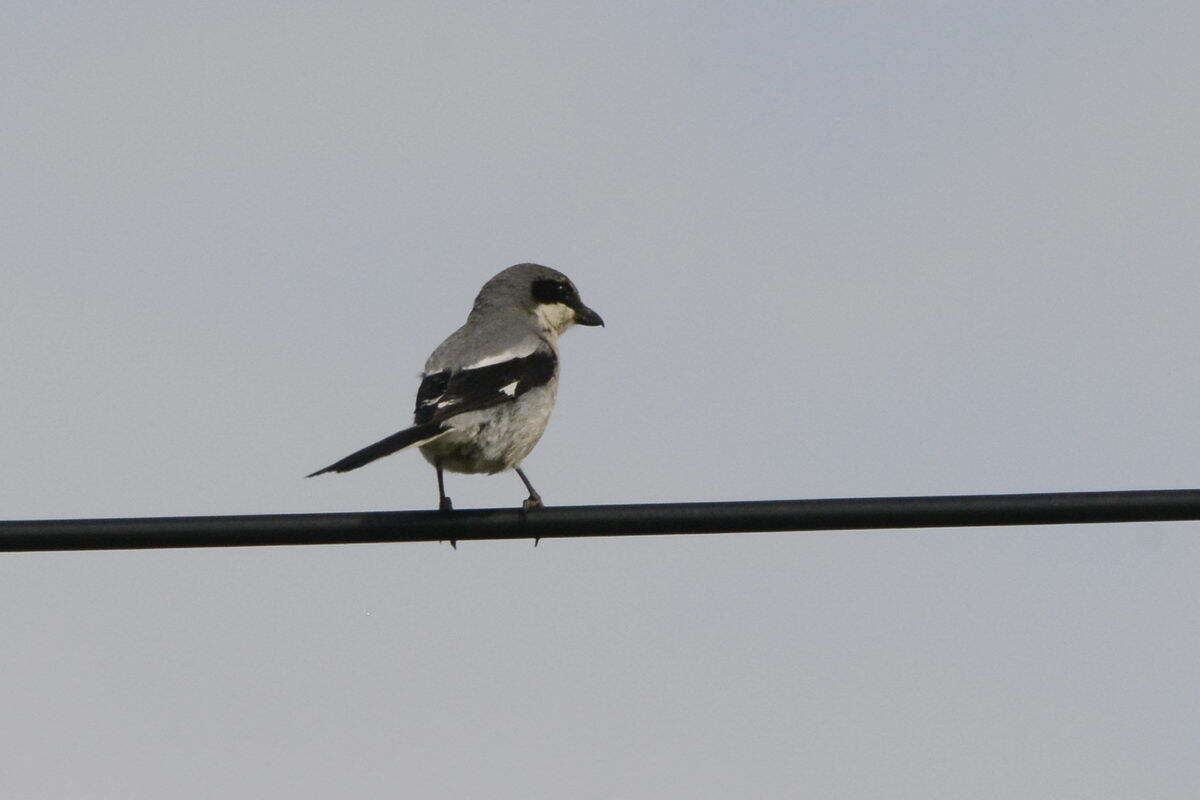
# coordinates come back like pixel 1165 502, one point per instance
pixel 546 294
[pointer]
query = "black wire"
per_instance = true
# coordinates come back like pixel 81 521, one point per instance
pixel 622 520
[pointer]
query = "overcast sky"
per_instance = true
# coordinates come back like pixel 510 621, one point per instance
pixel 843 249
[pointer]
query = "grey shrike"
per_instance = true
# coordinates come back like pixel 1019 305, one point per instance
pixel 487 391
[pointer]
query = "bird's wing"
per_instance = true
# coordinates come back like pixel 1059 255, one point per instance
pixel 486 383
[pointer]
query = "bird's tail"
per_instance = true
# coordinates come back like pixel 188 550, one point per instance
pixel 417 434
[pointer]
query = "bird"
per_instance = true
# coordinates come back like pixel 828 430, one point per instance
pixel 487 391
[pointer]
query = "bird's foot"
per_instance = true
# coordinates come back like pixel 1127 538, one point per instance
pixel 532 503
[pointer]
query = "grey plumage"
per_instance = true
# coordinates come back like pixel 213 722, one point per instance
pixel 487 390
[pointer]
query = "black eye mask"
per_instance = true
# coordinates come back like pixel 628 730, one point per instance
pixel 548 290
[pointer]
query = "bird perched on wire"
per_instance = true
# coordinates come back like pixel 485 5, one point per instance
pixel 487 391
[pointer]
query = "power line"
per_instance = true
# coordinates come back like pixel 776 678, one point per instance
pixel 615 520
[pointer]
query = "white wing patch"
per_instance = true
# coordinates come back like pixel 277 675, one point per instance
pixel 510 389
pixel 507 355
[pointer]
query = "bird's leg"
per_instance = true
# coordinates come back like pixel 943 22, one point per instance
pixel 444 503
pixel 535 499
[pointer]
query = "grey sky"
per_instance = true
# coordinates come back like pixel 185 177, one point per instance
pixel 842 249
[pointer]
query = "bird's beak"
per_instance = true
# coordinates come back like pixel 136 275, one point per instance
pixel 585 316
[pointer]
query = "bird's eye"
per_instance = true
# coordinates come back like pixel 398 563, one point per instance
pixel 551 291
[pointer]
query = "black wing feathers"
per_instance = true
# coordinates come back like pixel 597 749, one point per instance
pixel 431 389
pixel 445 394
